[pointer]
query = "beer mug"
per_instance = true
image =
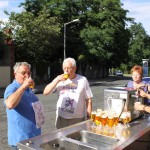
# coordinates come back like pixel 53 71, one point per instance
pixel 123 118
pixel 110 121
pixel 97 119
pixel 66 75
pixel 93 115
pixel 104 119
pixel 31 86
pixel 116 119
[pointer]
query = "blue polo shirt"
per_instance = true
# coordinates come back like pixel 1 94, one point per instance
pixel 21 119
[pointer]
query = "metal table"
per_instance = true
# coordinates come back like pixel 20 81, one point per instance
pixel 80 136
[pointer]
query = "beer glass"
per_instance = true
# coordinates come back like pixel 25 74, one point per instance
pixel 66 75
pixel 93 115
pixel 137 112
pixel 110 121
pixel 31 86
pixel 125 118
pixel 116 119
pixel 97 119
pixel 104 119
pixel 103 123
pixel 128 113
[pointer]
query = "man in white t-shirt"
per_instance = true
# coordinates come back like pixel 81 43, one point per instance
pixel 74 95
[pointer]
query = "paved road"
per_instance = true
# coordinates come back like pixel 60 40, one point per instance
pixel 49 103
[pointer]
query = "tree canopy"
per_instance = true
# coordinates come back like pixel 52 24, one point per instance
pixel 35 37
pixel 139 47
pixel 101 35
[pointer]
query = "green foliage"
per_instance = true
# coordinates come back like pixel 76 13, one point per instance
pixel 35 37
pixel 100 36
pixel 104 27
pixel 139 47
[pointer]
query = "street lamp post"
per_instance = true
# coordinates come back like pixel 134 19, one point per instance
pixel 65 24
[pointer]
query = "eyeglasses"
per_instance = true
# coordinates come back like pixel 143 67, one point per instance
pixel 136 75
pixel 69 69
pixel 24 72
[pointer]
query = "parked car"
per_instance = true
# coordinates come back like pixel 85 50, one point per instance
pixel 146 79
pixel 118 73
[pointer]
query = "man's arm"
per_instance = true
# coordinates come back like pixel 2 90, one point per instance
pixel 49 88
pixel 13 100
pixel 89 106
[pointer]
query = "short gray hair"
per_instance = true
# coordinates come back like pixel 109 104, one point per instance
pixel 71 60
pixel 18 64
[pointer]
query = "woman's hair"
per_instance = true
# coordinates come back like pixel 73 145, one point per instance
pixel 18 64
pixel 138 69
pixel 71 60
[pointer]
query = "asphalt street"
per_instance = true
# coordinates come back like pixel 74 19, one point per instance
pixel 49 103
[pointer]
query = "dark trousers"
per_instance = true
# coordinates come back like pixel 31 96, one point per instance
pixel 62 122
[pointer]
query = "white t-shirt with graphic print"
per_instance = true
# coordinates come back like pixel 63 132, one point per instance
pixel 72 97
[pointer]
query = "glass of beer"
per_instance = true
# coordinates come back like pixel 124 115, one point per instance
pixel 124 118
pixel 66 75
pixel 104 130
pixel 104 119
pixel 110 121
pixel 116 119
pixel 93 115
pixel 97 119
pixel 128 113
pixel 31 86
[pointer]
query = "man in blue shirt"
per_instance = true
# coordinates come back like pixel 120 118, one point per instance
pixel 21 107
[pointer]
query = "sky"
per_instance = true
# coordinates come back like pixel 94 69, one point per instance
pixel 138 9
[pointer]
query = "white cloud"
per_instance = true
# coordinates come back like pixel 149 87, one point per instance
pixel 139 10
pixel 9 6
pixel 3 4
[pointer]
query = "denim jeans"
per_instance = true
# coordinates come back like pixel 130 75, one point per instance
pixel 12 147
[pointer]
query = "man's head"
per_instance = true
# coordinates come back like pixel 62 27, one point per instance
pixel 69 67
pixel 21 71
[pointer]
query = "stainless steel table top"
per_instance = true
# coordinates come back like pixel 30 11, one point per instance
pixel 137 128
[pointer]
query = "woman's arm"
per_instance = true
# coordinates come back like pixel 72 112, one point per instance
pixel 141 107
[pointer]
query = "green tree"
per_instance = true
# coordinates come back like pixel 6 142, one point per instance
pixel 139 47
pixel 35 37
pixel 97 36
pixel 100 36
pixel 105 34
pixel 34 6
